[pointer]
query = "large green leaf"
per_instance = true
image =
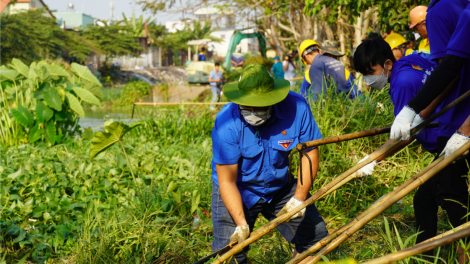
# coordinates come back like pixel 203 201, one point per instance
pixel 35 133
pixel 55 70
pixel 42 72
pixel 43 112
pixel 75 105
pixel 9 75
pixel 84 73
pixel 103 140
pixel 32 72
pixel 94 89
pixel 86 96
pixel 53 98
pixel 23 116
pixel 50 132
pixel 20 67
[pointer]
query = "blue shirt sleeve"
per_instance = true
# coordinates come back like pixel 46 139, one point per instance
pixel 225 147
pixel 402 91
pixel 308 129
pixel 459 43
pixel 440 28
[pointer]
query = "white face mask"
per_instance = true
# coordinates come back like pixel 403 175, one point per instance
pixel 255 119
pixel 377 81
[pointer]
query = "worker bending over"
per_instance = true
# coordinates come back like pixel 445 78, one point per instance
pixel 449 21
pixel 375 60
pixel 323 72
pixel 418 23
pixel 251 141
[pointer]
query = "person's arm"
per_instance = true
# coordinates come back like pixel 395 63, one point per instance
pixel 444 74
pixel 227 177
pixel 234 63
pixel 285 65
pixel 302 190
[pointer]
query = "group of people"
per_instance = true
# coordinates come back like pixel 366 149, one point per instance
pixel 253 135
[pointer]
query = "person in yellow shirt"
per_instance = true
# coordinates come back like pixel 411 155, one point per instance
pixel 418 23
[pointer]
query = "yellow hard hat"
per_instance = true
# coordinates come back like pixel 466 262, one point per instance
pixel 395 40
pixel 417 15
pixel 304 45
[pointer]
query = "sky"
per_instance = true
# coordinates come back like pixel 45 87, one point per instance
pixel 101 9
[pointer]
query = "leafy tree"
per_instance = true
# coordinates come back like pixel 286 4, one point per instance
pixel 30 36
pixel 136 28
pixel 112 40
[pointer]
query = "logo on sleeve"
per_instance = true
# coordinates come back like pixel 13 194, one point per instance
pixel 285 143
pixel 416 67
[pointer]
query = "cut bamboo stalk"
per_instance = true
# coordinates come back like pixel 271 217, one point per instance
pixel 379 209
pixel 283 218
pixel 380 201
pixel 423 247
pixel 460 227
pixel 356 135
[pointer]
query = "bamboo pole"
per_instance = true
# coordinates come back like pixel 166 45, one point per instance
pixel 281 219
pixel 380 201
pixel 340 138
pixel 460 227
pixel 389 202
pixel 423 247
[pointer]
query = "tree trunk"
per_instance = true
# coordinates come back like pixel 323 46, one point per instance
pixel 342 37
pixel 358 30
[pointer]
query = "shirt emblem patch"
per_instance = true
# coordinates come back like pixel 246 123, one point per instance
pixel 416 67
pixel 284 133
pixel 285 143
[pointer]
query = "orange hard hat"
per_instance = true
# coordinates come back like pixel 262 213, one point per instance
pixel 417 15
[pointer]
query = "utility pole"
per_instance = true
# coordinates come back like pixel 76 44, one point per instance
pixel 112 10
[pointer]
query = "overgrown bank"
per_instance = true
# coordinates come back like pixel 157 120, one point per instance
pixel 58 204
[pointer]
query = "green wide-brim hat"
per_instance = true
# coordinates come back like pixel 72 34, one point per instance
pixel 257 88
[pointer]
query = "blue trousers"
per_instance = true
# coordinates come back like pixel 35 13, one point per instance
pixel 303 232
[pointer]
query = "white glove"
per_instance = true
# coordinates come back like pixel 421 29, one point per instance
pixel 416 122
pixel 368 169
pixel 455 142
pixel 290 205
pixel 402 125
pixel 241 234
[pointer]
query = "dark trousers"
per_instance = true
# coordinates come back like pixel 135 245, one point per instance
pixel 447 189
pixel 303 232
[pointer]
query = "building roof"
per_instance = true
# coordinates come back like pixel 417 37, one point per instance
pixel 5 3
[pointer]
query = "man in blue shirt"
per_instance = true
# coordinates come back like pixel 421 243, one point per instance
pixel 323 72
pixel 202 55
pixel 251 141
pixel 215 77
pixel 447 26
pixel 277 71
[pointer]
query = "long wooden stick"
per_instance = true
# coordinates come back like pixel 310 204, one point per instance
pixel 340 138
pixel 380 201
pixel 281 219
pixel 460 227
pixel 379 209
pixel 423 247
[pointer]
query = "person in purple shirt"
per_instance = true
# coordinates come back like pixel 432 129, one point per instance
pixel 448 31
pixel 406 77
pixel 251 141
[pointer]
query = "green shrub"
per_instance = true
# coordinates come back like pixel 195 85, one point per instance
pixel 132 92
pixel 44 101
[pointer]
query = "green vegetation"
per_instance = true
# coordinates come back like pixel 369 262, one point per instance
pixel 44 101
pixel 59 204
pixel 132 92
